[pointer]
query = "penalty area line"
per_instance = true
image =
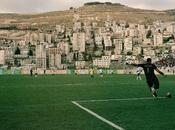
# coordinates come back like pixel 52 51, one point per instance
pixel 98 116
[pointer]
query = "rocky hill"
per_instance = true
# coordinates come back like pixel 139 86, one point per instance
pixel 94 11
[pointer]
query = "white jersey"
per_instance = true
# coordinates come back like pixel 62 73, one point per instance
pixel 100 71
pixel 139 70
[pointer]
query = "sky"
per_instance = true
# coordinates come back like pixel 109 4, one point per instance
pixel 38 6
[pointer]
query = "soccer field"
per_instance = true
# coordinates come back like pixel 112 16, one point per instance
pixel 78 102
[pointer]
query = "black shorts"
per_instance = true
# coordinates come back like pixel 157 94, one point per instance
pixel 153 82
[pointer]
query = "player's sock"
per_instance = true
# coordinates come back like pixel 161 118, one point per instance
pixel 153 89
pixel 154 93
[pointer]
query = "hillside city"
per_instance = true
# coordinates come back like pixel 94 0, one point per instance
pixel 108 45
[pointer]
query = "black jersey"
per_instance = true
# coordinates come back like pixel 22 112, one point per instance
pixel 149 70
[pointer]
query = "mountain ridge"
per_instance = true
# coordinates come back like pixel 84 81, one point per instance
pixel 98 10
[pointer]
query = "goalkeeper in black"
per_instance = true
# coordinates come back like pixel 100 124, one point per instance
pixel 151 78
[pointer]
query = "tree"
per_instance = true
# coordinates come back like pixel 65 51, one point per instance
pixel 29 44
pixel 30 53
pixel 149 34
pixel 113 53
pixel 103 43
pixel 142 52
pixel 69 39
pixel 95 47
pixel 165 40
pixel 90 57
pixel 71 8
pixel 129 53
pixel 127 25
pixel 17 51
pixel 17 63
pixel 74 57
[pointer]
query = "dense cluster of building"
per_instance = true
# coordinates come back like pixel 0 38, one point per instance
pixel 101 44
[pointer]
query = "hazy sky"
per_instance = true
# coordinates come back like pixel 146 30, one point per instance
pixel 36 6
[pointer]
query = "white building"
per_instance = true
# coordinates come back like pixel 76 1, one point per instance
pixel 117 29
pixel 41 55
pixel 41 37
pixel 2 57
pixel 171 28
pixel 147 41
pixel 76 17
pixel 9 53
pixel 173 48
pixel 133 32
pixel 101 30
pixel 80 64
pixel 31 37
pixel 141 27
pixel 79 42
pixel 107 41
pixel 128 44
pixel 98 40
pixel 54 57
pixel 158 39
pixel 60 28
pixel 126 32
pixel 137 50
pixel 148 52
pixel 102 63
pixel 118 46
pixel 48 38
pixel 94 24
pixel 141 30
pixel 132 25
pixel 64 47
pixel 21 43
pixel 77 26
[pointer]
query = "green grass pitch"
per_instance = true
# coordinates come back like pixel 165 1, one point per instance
pixel 44 103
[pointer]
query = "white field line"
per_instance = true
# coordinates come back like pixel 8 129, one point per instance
pixel 107 100
pixel 41 86
pixel 122 99
pixel 98 116
pixel 70 84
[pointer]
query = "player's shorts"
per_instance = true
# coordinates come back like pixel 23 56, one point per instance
pixel 153 83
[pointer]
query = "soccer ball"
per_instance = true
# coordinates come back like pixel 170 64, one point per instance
pixel 168 95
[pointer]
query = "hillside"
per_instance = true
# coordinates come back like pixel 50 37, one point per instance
pixel 121 12
pixel 94 11
pixel 171 12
